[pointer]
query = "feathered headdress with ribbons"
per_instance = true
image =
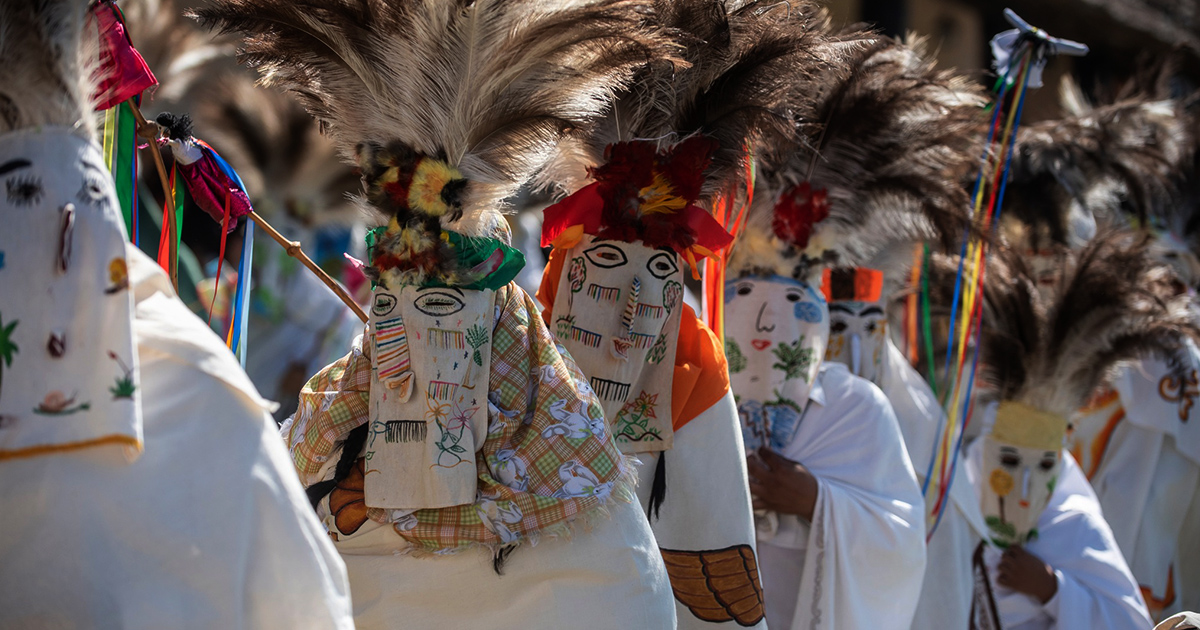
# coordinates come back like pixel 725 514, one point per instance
pixel 446 107
pixel 682 138
pixel 883 166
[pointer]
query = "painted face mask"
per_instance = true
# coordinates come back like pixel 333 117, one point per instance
pixel 1022 457
pixel 68 366
pixel 431 360
pixel 857 337
pixel 617 310
pixel 857 321
pixel 776 330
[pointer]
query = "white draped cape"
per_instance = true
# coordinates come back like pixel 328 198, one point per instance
pixel 861 562
pixel 946 592
pixel 1095 587
pixel 1143 454
pixel 208 528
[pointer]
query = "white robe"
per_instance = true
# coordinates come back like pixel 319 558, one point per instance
pixel 707 505
pixel 208 528
pixel 609 576
pixel 946 593
pixel 1145 469
pixel 1095 587
pixel 859 564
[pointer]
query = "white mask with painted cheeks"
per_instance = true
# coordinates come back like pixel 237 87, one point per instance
pixel 617 310
pixel 1022 458
pixel 858 337
pixel 776 329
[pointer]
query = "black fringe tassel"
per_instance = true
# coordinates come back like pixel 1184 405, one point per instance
pixel 501 557
pixel 658 489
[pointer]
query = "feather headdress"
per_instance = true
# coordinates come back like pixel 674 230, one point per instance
pixel 46 77
pixel 1112 304
pixel 895 136
pixel 681 137
pixel 1116 164
pixel 446 107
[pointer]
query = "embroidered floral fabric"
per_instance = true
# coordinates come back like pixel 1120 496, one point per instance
pixel 548 457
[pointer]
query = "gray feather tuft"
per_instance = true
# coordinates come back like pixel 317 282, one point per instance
pixel 46 64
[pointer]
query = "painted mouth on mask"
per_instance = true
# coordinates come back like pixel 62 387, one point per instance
pixel 761 344
pixel 615 391
pixel 641 342
pixel 1024 504
pixel 649 310
pixel 601 293
pixel 585 337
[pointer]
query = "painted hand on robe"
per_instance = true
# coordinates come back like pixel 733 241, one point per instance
pixel 781 485
pixel 1026 573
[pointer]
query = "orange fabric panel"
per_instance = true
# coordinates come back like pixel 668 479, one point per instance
pixel 701 373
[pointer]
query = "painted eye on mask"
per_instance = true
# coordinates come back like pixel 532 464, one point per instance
pixel 92 190
pixel 1009 459
pixel 871 327
pixel 438 304
pixel 744 288
pixel 662 265
pixel 837 327
pixel 384 304
pixel 794 296
pixel 24 190
pixel 1049 459
pixel 606 256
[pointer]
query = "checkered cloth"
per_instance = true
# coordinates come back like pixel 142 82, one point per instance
pixel 546 439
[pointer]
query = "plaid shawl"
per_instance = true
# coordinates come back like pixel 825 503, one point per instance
pixel 546 432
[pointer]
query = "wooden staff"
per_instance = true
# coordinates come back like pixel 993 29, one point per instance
pixel 152 131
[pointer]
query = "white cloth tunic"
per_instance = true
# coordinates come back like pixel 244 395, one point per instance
pixel 1095 587
pixel 859 564
pixel 1141 452
pixel 208 528
pixel 706 518
pixel 946 593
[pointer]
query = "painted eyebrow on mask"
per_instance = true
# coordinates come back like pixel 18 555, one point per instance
pixel 13 165
pixel 839 308
pixel 872 310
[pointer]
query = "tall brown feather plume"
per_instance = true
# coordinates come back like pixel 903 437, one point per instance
pixel 488 86
pixel 748 78
pixel 1113 304
pixel 897 138
pixel 48 52
pixel 1118 163
pixel 894 137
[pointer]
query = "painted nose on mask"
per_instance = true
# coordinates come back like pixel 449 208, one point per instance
pixel 1025 479
pixel 758 323
pixel 856 355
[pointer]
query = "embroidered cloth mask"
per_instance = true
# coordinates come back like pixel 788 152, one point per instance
pixel 68 365
pixel 776 330
pixel 1022 457
pixel 617 310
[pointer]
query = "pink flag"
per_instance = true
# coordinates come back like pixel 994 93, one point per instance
pixel 123 73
